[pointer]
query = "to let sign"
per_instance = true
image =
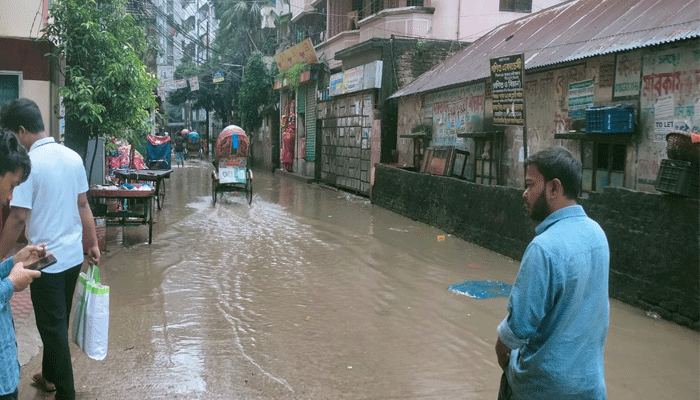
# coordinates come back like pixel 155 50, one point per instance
pixel 507 84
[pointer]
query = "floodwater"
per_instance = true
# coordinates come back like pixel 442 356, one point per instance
pixel 312 293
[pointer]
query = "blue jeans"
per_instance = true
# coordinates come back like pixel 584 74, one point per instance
pixel 179 157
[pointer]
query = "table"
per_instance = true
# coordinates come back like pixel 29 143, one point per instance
pixel 131 216
pixel 150 175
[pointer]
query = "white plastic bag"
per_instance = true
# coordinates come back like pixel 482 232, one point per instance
pixel 91 319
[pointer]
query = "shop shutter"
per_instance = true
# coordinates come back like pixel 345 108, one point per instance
pixel 311 122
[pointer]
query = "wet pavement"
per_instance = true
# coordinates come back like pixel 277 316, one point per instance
pixel 311 293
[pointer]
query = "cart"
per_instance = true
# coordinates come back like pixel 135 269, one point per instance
pixel 231 168
pixel 158 152
pixel 193 145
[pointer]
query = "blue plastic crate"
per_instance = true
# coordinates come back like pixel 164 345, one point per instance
pixel 611 119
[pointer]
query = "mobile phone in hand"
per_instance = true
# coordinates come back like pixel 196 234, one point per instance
pixel 42 263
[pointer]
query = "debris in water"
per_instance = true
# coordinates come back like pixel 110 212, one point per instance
pixel 652 314
pixel 441 238
pixel 482 289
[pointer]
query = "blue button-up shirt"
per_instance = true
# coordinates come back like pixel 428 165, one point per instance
pixel 558 311
pixel 9 366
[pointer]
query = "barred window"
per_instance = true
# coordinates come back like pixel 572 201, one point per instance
pixel 524 6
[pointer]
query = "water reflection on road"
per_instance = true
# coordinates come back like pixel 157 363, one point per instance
pixel 315 293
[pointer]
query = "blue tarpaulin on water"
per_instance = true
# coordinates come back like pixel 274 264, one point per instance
pixel 482 289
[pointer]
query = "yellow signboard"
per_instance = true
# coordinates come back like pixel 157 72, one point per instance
pixel 301 53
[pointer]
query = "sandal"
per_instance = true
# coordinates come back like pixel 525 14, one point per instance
pixel 43 383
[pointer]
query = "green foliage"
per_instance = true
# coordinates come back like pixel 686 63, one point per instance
pixel 240 28
pixel 107 88
pixel 210 96
pixel 255 93
pixel 292 76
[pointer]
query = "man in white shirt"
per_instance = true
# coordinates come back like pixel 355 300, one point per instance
pixel 52 206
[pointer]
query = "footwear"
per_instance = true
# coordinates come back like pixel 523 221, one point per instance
pixel 43 383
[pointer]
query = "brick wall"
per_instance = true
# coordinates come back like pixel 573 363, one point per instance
pixel 654 239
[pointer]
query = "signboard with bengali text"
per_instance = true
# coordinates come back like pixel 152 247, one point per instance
pixel 508 96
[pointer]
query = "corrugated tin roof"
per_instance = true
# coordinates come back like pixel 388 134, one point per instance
pixel 567 32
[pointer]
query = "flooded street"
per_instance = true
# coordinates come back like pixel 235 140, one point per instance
pixel 312 293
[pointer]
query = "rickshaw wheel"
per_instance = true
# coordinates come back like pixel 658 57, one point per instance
pixel 213 190
pixel 249 190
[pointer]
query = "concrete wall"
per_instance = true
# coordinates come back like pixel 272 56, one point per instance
pixel 653 238
pixel 20 19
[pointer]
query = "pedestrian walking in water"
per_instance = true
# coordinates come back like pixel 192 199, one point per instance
pixel 550 345
pixel 180 149
pixel 52 205
pixel 14 169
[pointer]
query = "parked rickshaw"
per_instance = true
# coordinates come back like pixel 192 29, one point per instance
pixel 231 167
pixel 193 145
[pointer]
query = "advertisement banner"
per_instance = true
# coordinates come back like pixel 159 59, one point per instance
pixel 454 111
pixel 580 98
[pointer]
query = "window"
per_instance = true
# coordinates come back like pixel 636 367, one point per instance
pixel 414 3
pixel 485 171
pixel 375 6
pixel 9 86
pixel 170 51
pixel 357 6
pixel 603 165
pixel 524 6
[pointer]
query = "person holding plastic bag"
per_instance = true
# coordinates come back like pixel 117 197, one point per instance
pixel 52 205
pixel 14 169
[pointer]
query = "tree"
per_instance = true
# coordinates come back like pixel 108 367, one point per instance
pixel 107 88
pixel 241 29
pixel 210 96
pixel 255 93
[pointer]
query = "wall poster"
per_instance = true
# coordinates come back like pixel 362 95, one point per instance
pixel 628 70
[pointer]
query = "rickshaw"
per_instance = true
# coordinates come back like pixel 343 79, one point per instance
pixel 193 145
pixel 231 168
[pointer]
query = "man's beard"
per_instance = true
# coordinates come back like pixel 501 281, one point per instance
pixel 540 210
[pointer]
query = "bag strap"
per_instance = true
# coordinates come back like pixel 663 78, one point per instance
pixel 94 274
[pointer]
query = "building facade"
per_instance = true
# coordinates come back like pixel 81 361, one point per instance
pixel 25 70
pixel 369 49
pixel 653 75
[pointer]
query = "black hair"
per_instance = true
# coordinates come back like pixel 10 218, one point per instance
pixel 13 156
pixel 558 163
pixel 21 112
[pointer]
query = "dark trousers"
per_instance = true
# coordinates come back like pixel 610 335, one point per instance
pixel 11 396
pixel 52 296
pixel 504 392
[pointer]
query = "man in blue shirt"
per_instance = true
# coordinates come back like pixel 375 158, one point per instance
pixel 14 169
pixel 550 345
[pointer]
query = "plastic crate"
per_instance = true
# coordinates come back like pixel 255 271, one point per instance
pixel 678 177
pixel 613 119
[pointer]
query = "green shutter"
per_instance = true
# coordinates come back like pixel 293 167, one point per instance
pixel 301 99
pixel 311 123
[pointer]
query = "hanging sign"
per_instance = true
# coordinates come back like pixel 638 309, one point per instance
pixel 194 83
pixel 507 83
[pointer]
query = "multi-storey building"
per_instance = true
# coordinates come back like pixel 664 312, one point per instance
pixel 184 30
pixel 25 70
pixel 369 49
